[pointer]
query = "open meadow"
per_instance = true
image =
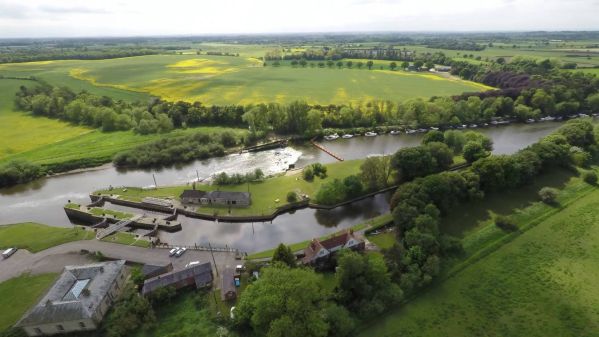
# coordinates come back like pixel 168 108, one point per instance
pixel 539 281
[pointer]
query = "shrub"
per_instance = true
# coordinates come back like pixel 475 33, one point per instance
pixel 590 177
pixel 308 173
pixel 505 223
pixel 292 196
pixel 548 195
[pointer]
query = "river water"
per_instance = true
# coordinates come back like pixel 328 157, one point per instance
pixel 41 201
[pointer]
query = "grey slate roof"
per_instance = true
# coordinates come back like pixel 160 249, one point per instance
pixel 202 274
pixel 230 195
pixel 152 270
pixel 61 305
pixel 193 194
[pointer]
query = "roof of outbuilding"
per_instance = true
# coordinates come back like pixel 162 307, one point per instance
pixel 230 195
pixel 65 303
pixel 193 194
pixel 201 273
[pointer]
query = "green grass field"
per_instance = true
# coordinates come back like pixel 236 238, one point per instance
pixel 36 237
pixel 536 282
pixel 49 141
pixel 126 239
pixel 236 80
pixel 22 132
pixel 264 194
pixel 17 295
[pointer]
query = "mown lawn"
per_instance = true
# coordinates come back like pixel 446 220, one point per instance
pixel 17 295
pixel 37 237
pixel 108 212
pixel 264 195
pixel 383 240
pixel 540 281
pixel 126 239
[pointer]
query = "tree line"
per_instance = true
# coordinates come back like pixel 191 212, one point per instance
pixel 292 301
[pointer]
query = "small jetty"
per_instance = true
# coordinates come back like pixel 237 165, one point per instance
pixel 324 149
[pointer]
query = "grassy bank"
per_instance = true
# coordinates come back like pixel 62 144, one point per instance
pixel 126 239
pixel 535 282
pixel 36 237
pixel 17 295
pixel 266 197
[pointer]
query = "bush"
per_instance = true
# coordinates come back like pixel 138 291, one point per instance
pixel 590 177
pixel 19 172
pixel 292 197
pixel 548 195
pixel 308 173
pixel 505 223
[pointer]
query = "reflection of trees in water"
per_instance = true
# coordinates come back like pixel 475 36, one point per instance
pixel 32 186
pixel 364 209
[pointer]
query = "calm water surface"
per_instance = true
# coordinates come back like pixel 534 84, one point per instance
pixel 42 200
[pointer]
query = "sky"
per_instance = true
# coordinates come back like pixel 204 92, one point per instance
pixel 76 18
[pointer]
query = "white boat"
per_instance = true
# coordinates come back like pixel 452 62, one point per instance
pixel 530 120
pixel 473 126
pixel 331 137
pixel 434 128
pixel 410 132
pixel 370 134
pixel 395 132
pixel 347 136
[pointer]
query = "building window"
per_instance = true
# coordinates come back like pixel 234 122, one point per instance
pixel 37 331
pixel 60 327
pixel 81 325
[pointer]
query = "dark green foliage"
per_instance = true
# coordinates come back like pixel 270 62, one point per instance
pixel 284 255
pixel 292 196
pixel 131 313
pixel 235 179
pixel 286 302
pixel 505 223
pixel 162 296
pixel 474 151
pixel 375 172
pixel 167 151
pixel 363 284
pixel 19 172
pixel 308 173
pixel 590 177
pixel 421 160
pixel 433 136
pixel 331 193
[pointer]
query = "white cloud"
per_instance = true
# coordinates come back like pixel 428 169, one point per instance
pixel 39 18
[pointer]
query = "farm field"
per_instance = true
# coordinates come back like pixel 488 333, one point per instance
pixel 538 282
pixel 236 80
pixel 22 132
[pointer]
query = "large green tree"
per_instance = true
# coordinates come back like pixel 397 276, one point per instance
pixel 286 302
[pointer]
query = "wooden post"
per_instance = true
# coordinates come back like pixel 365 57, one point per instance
pixel 213 260
pixel 155 184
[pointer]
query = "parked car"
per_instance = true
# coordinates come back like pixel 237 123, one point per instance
pixel 8 253
pixel 180 252
pixel 192 263
pixel 239 268
pixel 173 251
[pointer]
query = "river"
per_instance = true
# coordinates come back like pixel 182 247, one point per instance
pixel 41 201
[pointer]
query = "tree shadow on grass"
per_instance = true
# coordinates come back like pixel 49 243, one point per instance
pixel 468 216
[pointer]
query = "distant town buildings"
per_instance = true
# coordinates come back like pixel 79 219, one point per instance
pixel 220 198
pixel 319 252
pixel 77 301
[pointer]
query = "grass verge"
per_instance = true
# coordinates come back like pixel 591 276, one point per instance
pixel 17 295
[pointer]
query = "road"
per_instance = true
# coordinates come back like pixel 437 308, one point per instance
pixel 54 259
